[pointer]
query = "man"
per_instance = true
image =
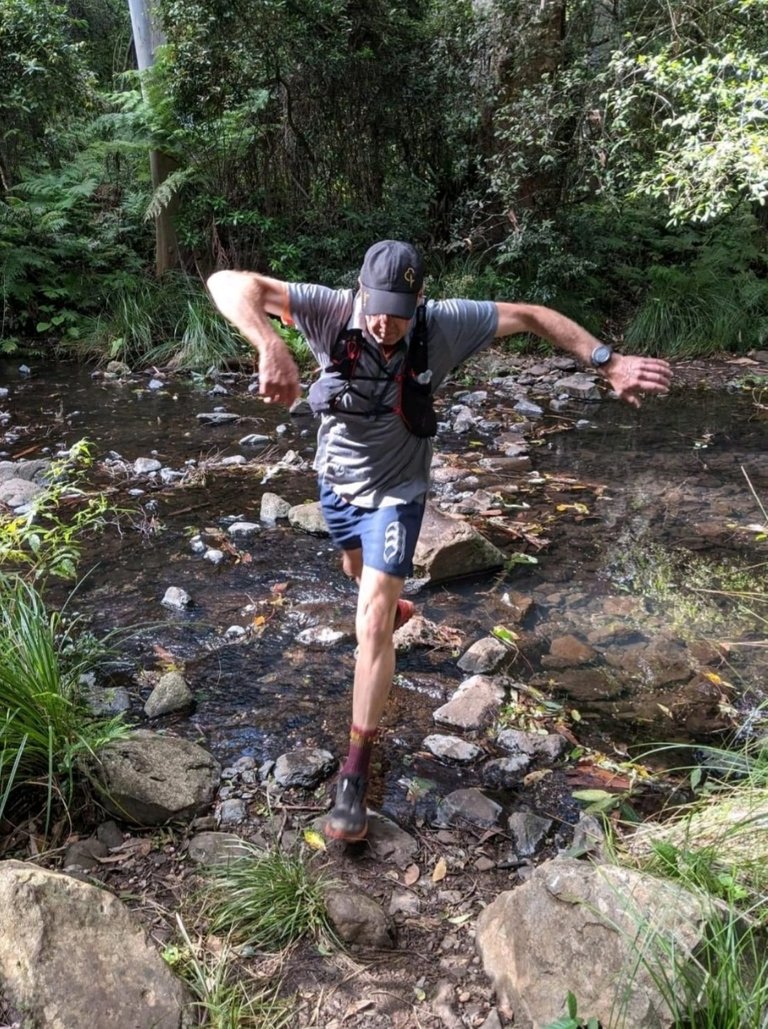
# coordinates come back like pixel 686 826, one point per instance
pixel 382 353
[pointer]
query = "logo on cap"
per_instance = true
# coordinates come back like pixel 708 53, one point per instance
pixel 410 276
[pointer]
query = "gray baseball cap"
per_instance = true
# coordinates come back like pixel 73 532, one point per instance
pixel 391 279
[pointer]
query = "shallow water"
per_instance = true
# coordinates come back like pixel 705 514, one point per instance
pixel 673 473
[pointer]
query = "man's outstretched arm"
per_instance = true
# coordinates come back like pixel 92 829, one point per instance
pixel 628 376
pixel 247 300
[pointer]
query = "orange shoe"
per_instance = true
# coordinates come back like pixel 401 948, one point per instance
pixel 404 613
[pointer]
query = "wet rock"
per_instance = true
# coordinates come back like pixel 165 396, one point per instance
pixel 16 493
pixel 155 384
pixel 548 747
pixel 273 509
pixel 177 598
pixel 506 465
pixel 305 768
pixel 218 417
pixel 4 393
pixel 254 439
pixel 106 701
pixel 244 530
pixel 566 651
pixel 308 518
pixel 528 409
pixel 300 408
pixel 321 636
pixel 358 919
pixel 100 968
pixel 581 386
pixel 421 632
pixel 149 779
pixel 145 465
pixel 519 604
pixel 528 831
pixel 473 704
pixel 583 685
pixel 470 805
pixel 84 854
pixel 33 471
pixel 235 632
pixel 448 548
pixel 217 848
pixel 486 655
pixel 503 772
pixel 213 555
pixel 197 545
pixel 388 843
pixel 578 927
pixel 171 694
pixel 451 748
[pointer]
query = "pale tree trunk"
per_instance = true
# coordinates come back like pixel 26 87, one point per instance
pixel 147 36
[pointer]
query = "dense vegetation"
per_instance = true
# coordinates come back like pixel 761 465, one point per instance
pixel 609 160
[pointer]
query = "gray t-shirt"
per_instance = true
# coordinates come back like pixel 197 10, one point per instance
pixel 371 459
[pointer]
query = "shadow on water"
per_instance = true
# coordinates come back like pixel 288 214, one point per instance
pixel 671 474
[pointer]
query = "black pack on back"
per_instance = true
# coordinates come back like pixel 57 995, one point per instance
pixel 414 402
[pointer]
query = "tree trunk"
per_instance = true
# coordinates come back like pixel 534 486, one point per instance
pixel 147 36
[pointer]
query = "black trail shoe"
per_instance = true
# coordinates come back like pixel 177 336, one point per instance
pixel 349 819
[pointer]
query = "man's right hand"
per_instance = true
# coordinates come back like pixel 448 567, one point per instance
pixel 278 375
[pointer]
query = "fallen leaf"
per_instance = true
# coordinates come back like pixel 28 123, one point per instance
pixel 440 871
pixel 313 839
pixel 534 777
pixel 411 875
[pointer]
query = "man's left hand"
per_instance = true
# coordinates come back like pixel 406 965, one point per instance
pixel 633 377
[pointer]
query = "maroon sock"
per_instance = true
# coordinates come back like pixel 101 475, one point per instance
pixel 360 749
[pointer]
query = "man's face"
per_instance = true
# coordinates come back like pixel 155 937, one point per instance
pixel 386 329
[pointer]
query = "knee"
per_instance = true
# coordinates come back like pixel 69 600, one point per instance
pixel 374 622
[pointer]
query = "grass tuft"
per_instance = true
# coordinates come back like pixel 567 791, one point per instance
pixel 268 900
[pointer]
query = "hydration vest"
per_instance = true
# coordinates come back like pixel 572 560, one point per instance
pixel 414 402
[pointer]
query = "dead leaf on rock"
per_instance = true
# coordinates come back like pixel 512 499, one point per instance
pixel 534 777
pixel 411 875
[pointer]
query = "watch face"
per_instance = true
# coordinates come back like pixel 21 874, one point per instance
pixel 601 355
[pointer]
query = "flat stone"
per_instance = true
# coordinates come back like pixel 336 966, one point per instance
pixel 304 768
pixel 485 655
pixel 470 805
pixel 473 704
pixel 218 417
pixel 451 748
pixel 145 465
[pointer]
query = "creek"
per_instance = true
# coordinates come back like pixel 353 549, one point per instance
pixel 611 492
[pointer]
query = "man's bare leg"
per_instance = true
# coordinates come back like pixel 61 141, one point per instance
pixel 376 605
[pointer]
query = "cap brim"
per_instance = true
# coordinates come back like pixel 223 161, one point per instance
pixel 379 301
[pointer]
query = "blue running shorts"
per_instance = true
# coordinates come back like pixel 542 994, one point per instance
pixel 387 535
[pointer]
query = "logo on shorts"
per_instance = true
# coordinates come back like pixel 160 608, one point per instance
pixel 394 543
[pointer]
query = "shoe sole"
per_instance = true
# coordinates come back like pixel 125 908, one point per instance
pixel 347 837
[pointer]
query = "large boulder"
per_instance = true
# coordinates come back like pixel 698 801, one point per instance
pixel 602 932
pixel 449 548
pixel 149 779
pixel 72 954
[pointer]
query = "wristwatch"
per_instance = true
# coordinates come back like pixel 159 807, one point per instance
pixel 601 355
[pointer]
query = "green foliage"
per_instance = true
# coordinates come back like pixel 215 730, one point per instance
pixel 225 997
pixel 698 596
pixel 572 1020
pixel 44 725
pixel 269 900
pixel 46 84
pixel 46 542
pixel 165 322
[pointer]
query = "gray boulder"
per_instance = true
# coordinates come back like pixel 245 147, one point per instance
pixel 448 549
pixel 73 955
pixel 599 932
pixel 149 779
